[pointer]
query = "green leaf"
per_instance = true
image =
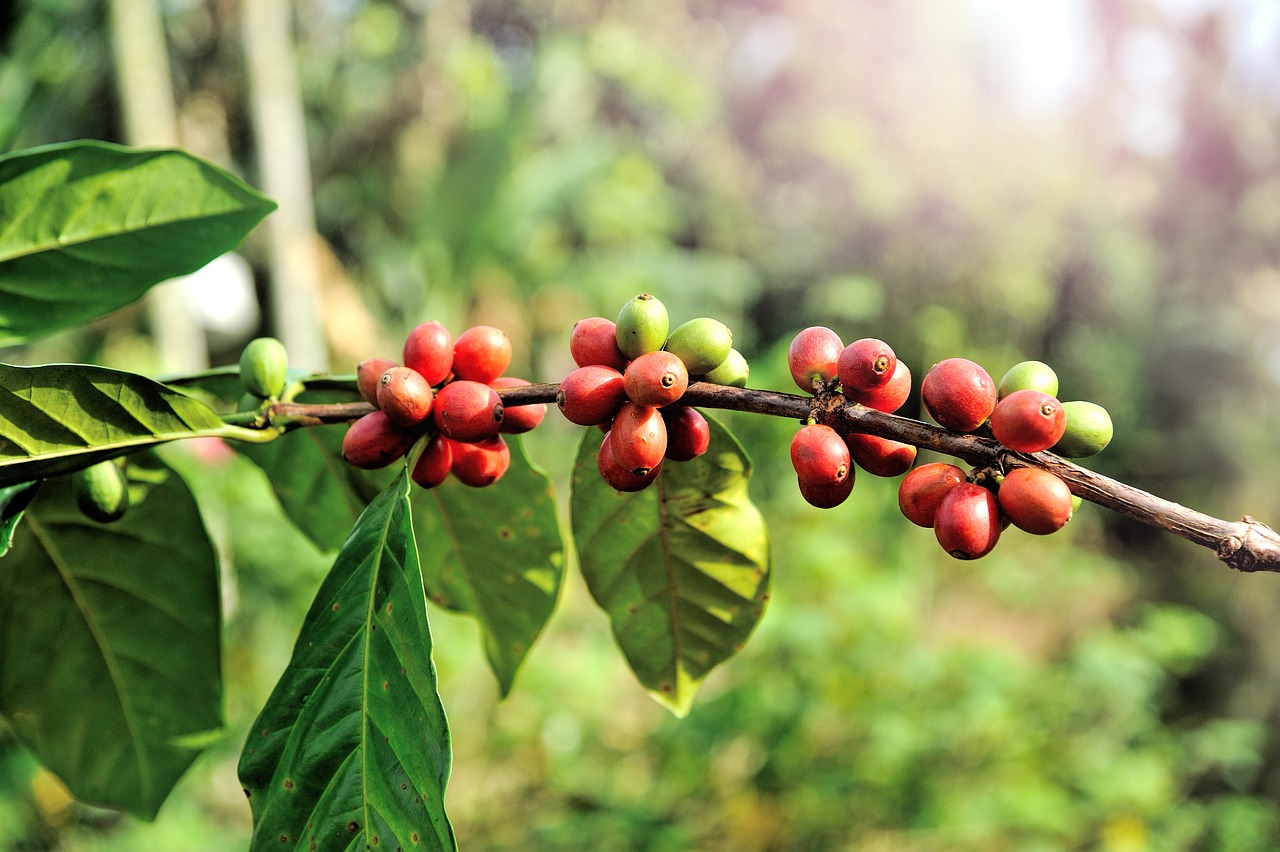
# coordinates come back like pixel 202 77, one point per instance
pixel 498 556
pixel 13 501
pixel 57 418
pixel 88 227
pixel 352 749
pixel 110 665
pixel 681 568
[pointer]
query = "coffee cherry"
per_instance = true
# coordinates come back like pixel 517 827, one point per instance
pixel 432 467
pixel 480 463
pixel 880 456
pixel 826 495
pixel 518 419
pixel 688 433
pixel 1029 375
pixel 594 340
pixel 481 354
pixel 368 372
pixel 591 395
pixel 404 396
pixel 1035 500
pixel 1028 421
pixel 639 437
pixel 812 356
pixel 428 348
pixel 967 523
pixel 702 344
pixel 642 326
pixel 374 442
pixel 467 411
pixel 923 488
pixel 890 396
pixel 866 364
pixel 958 394
pixel 101 492
pixel 619 477
pixel 732 373
pixel 656 379
pixel 264 366
pixel 1088 430
pixel 819 455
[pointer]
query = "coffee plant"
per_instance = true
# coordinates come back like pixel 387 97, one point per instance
pixel 109 603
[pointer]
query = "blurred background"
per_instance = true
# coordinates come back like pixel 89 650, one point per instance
pixel 1092 183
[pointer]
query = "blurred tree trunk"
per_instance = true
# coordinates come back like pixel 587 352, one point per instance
pixel 280 130
pixel 146 100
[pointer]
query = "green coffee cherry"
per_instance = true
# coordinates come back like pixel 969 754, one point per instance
pixel 702 344
pixel 1029 375
pixel 642 326
pixel 1089 430
pixel 101 492
pixel 264 366
pixel 732 372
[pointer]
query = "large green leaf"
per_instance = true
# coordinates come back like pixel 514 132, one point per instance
pixel 57 418
pixel 109 640
pixel 681 568
pixel 497 555
pixel 352 749
pixel 87 227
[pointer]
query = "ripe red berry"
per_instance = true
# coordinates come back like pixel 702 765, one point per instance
pixel 591 395
pixel 368 372
pixel 656 379
pixel 812 356
pixel 1035 500
pixel 467 411
pixel 967 522
pixel 432 467
pixel 428 348
pixel 639 437
pixel 480 463
pixel 374 441
pixel 619 477
pixel 819 455
pixel 959 394
pixel 688 433
pixel 890 396
pixel 404 396
pixel 923 488
pixel 481 354
pixel 518 419
pixel 594 340
pixel 866 364
pixel 826 495
pixel 880 456
pixel 1028 421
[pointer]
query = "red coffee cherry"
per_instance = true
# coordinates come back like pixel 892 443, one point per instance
pixel 866 364
pixel 591 395
pixel 967 522
pixel 826 495
pixel 480 463
pixel 428 348
pixel 890 396
pixel 404 396
pixel 619 477
pixel 368 372
pixel 1028 421
pixel 1035 500
pixel 481 354
pixel 688 433
pixel 959 394
pixel 819 455
pixel 518 419
pixel 656 379
pixel 374 441
pixel 923 488
pixel 594 340
pixel 639 437
pixel 467 411
pixel 880 456
pixel 432 467
pixel 812 356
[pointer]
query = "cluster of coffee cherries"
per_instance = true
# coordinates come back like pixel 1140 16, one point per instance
pixel 446 392
pixel 866 371
pixel 630 377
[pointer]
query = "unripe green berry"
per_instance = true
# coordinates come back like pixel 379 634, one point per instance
pixel 732 372
pixel 264 366
pixel 702 344
pixel 642 326
pixel 1088 431
pixel 101 492
pixel 1029 375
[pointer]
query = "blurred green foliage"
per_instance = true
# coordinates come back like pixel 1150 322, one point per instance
pixel 776 164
